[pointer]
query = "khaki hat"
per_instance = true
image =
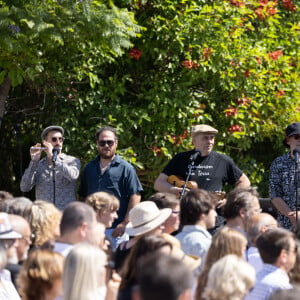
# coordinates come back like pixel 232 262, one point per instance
pixel 145 217
pixel 51 128
pixel 203 129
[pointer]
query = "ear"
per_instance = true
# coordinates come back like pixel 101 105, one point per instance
pixel 136 295
pixel 82 229
pixel 283 257
pixel 185 295
pixel 242 213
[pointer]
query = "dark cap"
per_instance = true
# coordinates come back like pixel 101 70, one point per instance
pixel 51 128
pixel 292 129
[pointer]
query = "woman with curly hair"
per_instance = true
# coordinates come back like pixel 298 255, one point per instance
pixel 44 219
pixel 225 241
pixel 105 206
pixel 40 276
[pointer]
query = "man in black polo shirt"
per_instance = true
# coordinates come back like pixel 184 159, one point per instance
pixel 211 170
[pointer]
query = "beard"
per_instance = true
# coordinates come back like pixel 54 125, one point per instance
pixel 107 154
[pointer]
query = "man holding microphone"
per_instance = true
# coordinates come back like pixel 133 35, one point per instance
pixel 54 176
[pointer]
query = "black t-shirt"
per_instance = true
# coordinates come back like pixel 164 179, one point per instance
pixel 210 172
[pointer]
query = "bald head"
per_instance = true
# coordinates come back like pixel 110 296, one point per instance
pixel 259 224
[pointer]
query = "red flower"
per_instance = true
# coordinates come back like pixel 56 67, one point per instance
pixel 207 53
pixel 235 128
pixel 280 93
pixel 289 5
pixel 189 64
pixel 247 73
pixel 237 3
pixel 275 55
pixel 231 111
pixel 243 101
pixel 258 60
pixel 135 53
pixel 156 150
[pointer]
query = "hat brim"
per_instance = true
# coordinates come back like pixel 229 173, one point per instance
pixel 51 128
pixel 160 219
pixel 10 235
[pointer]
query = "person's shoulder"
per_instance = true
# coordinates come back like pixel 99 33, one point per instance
pixel 221 156
pixel 92 163
pixel 184 154
pixel 118 160
pixel 281 158
pixel 69 157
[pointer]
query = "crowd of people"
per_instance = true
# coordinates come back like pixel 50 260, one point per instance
pixel 187 241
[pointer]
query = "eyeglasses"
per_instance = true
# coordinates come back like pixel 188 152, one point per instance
pixel 54 139
pixel 296 137
pixel 108 143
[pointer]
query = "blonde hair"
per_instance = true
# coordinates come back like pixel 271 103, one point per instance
pixel 225 241
pixel 38 274
pixel 44 218
pixel 102 201
pixel 84 272
pixel 230 278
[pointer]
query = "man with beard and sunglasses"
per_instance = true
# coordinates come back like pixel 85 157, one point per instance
pixel 55 175
pixel 108 172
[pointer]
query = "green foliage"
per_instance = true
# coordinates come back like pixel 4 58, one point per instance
pixel 231 64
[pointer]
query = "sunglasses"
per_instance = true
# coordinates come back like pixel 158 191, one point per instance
pixel 296 136
pixel 108 143
pixel 55 139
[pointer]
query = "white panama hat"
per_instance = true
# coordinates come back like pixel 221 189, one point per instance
pixel 6 231
pixel 145 217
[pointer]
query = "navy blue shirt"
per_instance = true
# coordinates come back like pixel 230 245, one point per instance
pixel 119 179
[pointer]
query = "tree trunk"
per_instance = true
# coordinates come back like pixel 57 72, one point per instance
pixel 4 90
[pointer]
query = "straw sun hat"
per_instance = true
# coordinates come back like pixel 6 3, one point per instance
pixel 145 217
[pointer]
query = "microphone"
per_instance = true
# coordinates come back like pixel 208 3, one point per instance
pixel 55 152
pixel 296 155
pixel 194 156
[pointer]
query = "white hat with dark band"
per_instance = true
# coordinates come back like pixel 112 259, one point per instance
pixel 145 217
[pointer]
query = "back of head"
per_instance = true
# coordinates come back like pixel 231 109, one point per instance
pixel 237 199
pixel 225 241
pixel 163 277
pixel 84 272
pixel 230 278
pixel 258 224
pixel 39 273
pixel 290 294
pixel 164 200
pixel 74 215
pixel 44 219
pixel 18 206
pixel 195 203
pixel 102 201
pixel 144 246
pixel 272 242
pixel 5 195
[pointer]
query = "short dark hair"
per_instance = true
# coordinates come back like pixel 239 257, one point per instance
pixel 164 200
pixel 195 203
pixel 272 242
pixel 74 214
pixel 162 277
pixel 237 199
pixel 106 128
